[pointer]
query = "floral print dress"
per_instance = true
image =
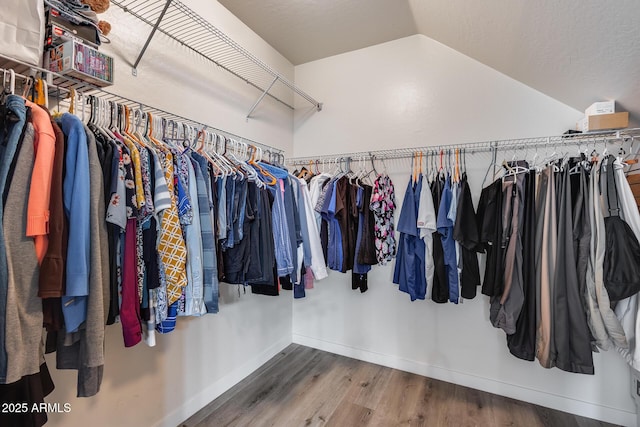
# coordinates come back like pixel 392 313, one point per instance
pixel 383 205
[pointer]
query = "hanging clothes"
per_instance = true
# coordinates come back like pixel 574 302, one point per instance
pixel 622 254
pixel 440 287
pixel 426 222
pixel 627 309
pixel 522 343
pixel 76 193
pixel 579 180
pixel 41 174
pixel 465 232
pixel 489 220
pixel 603 323
pixel 505 308
pixel 346 213
pixel 52 268
pixel 445 229
pixel 23 312
pixel 633 179
pixel 410 260
pixel 335 252
pixel 383 205
pixel 572 349
pixel 359 279
pixel 546 267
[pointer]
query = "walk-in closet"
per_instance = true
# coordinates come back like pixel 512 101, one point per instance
pixel 340 213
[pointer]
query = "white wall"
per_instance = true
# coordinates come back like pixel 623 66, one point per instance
pixel 417 92
pixel 205 356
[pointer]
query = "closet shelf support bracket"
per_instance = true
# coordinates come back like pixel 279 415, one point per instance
pixel 255 105
pixel 134 70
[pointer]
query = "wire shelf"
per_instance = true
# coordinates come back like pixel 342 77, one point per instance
pixel 60 85
pixel 180 23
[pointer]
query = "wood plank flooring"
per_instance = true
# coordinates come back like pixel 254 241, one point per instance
pixel 303 386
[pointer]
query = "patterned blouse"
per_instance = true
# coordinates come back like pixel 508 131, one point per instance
pixel 383 205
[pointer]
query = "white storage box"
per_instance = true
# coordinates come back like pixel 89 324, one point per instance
pixel 604 107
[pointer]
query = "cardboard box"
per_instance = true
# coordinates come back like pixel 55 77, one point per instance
pixel 603 122
pixel 82 62
pixel 597 108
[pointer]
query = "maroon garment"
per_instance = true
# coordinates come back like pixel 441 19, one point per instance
pixel 130 307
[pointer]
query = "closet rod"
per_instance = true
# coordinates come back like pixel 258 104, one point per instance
pixel 510 144
pixel 59 83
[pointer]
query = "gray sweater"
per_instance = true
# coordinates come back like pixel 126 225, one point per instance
pixel 24 307
pixel 86 352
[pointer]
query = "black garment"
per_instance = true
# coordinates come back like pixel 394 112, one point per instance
pixel 522 344
pixel 268 283
pixel 236 259
pixel 150 255
pixel 31 389
pixel 465 232
pixel 272 289
pixel 12 166
pixel 570 329
pixel 581 230
pixel 324 239
pixel 105 154
pixel 354 220
pixel 113 237
pixel 113 231
pixel 324 232
pixel 286 283
pixel 440 289
pixel 214 197
pixel 367 250
pixel 265 248
pixel 346 195
pixel 360 281
pixel 489 220
pixel 622 255
pixel 254 261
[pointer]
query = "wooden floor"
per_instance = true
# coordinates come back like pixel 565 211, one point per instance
pixel 302 386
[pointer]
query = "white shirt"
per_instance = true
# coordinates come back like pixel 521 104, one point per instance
pixel 318 266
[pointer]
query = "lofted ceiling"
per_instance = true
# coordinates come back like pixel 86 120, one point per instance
pixel 576 51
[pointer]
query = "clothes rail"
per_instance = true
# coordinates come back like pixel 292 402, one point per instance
pixel 61 85
pixel 579 139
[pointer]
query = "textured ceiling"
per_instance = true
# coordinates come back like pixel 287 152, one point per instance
pixel 577 51
pixel 306 30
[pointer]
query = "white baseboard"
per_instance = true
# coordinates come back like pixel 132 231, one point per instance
pixel 562 403
pixel 210 393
